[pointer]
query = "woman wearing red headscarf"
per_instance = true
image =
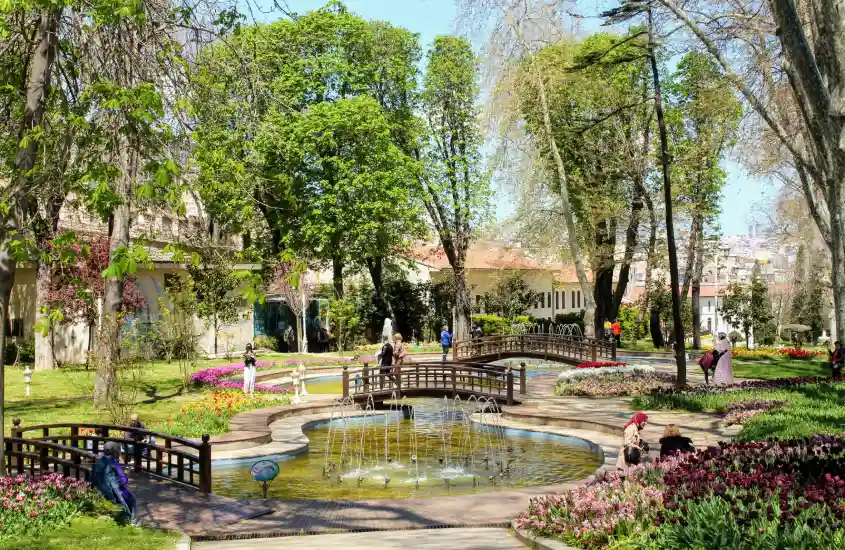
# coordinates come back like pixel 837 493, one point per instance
pixel 632 445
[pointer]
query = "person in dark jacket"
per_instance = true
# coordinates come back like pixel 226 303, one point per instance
pixel 108 476
pixel 673 442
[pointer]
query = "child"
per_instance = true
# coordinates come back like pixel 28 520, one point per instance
pixel 249 370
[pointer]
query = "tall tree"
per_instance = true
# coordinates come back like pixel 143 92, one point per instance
pixel 703 118
pixel 454 184
pixel 215 284
pixel 786 62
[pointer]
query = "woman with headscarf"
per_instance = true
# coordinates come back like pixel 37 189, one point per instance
pixel 633 447
pixel 108 476
pixel 724 368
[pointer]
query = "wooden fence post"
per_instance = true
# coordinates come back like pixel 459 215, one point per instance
pixel 205 465
pixel 523 379
pixel 18 433
pixel 345 381
pixel 42 460
pixel 613 350
pixel 398 381
pixel 137 452
pixel 366 376
pixel 593 345
pixel 510 387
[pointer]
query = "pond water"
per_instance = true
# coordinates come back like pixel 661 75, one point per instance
pixel 438 451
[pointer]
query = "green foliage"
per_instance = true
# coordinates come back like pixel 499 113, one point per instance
pixel 628 319
pixel 571 318
pixel 266 342
pixel 215 283
pixel 21 352
pixel 343 317
pixel 492 324
pixel 173 335
pixel 88 533
pixel 810 299
pixel 511 296
pixel 748 307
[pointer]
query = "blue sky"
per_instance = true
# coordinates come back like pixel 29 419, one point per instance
pixel 429 18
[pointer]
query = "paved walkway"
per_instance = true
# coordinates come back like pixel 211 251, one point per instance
pixel 430 539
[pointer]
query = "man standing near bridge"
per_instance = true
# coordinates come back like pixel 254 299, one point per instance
pixel 446 341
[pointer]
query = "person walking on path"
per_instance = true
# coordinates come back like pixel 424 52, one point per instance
pixel 616 327
pixel 446 341
pixel 108 476
pixel 673 442
pixel 724 367
pixel 399 353
pixel 633 447
pixel 249 371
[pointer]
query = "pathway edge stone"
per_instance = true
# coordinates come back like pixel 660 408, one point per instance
pixel 538 543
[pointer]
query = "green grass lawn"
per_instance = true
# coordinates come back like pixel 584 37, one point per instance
pixel 94 534
pixel 809 409
pixel 768 369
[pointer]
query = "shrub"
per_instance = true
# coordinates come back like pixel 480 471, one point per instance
pixel 492 324
pixel 266 342
pixel 571 319
pixel 30 506
pixel 23 352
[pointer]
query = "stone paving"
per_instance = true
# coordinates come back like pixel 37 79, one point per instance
pixel 430 539
pixel 599 420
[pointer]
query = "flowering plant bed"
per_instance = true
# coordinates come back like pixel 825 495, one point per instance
pixel 33 505
pixel 743 411
pixel 612 384
pixel 743 495
pixel 212 414
pixel 775 353
pixel 809 405
pixel 216 377
pixel 600 364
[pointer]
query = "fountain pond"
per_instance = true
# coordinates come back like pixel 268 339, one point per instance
pixel 417 448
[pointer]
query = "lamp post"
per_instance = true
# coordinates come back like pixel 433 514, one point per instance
pixel 302 373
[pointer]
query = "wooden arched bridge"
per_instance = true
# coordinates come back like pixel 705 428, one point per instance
pixel 564 349
pixel 434 380
pixel 72 449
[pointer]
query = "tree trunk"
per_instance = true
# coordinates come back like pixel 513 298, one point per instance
pixel 677 321
pixel 337 277
pixel 44 356
pixel 692 245
pixel 463 308
pixel 630 245
pixel 603 266
pixel 105 381
pixel 215 328
pixel 566 211
pixel 383 307
pixel 7 279
pixel 698 271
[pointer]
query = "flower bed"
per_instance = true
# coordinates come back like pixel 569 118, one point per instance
pixel 744 495
pixel 600 364
pixel 216 377
pixel 614 383
pixel 212 414
pixel 578 373
pixel 775 353
pixel 31 506
pixel 775 383
pixel 743 411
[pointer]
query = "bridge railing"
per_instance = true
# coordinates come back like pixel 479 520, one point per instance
pixel 430 378
pixel 574 348
pixel 71 449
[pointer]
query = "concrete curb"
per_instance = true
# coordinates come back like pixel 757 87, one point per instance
pixel 538 543
pixel 184 543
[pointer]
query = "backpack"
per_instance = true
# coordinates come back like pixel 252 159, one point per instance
pixel 706 360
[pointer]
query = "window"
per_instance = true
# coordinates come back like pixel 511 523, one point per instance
pixel 542 300
pixel 579 298
pixel 477 304
pixel 708 305
pixel 709 324
pixel 563 299
pixel 557 299
pixel 550 299
pixel 572 303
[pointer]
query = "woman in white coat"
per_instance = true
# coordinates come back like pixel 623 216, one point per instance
pixel 724 369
